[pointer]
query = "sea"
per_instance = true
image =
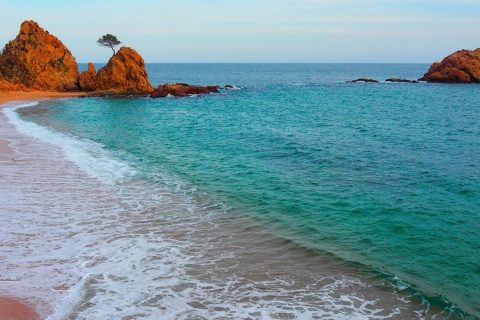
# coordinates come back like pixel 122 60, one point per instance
pixel 296 194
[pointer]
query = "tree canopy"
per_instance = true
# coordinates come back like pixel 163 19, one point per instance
pixel 108 40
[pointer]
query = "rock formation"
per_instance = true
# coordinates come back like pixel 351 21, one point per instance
pixel 401 80
pixel 460 67
pixel 87 79
pixel 364 80
pixel 124 74
pixel 37 60
pixel 181 90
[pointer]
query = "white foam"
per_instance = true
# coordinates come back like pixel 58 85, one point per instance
pixel 90 156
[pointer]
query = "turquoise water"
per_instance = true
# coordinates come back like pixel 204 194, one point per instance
pixel 384 176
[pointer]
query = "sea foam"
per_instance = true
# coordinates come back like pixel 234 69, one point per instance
pixel 90 156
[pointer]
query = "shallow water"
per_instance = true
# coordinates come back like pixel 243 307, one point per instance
pixel 296 196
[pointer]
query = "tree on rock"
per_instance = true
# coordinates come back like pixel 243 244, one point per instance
pixel 108 40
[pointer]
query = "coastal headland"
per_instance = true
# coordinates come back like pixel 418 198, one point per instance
pixel 37 61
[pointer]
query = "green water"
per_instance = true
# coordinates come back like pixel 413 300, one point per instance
pixel 384 175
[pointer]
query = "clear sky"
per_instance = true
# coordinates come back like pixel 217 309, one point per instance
pixel 256 30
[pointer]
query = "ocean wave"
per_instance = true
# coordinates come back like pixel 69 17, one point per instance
pixel 89 156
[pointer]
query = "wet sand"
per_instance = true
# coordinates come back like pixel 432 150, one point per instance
pixel 12 309
pixel 5 152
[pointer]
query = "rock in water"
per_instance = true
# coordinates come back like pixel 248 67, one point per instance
pixel 365 80
pixel 38 60
pixel 88 80
pixel 124 74
pixel 460 67
pixel 181 90
pixel 401 80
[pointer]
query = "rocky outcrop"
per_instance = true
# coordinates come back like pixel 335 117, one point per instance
pixel 37 60
pixel 124 74
pixel 88 81
pixel 181 90
pixel 364 80
pixel 401 80
pixel 460 67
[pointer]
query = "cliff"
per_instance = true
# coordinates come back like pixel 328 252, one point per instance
pixel 37 60
pixel 460 67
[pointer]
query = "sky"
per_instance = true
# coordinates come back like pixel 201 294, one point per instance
pixel 246 31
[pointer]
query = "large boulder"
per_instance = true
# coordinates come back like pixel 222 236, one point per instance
pixel 38 60
pixel 88 81
pixel 124 73
pixel 460 67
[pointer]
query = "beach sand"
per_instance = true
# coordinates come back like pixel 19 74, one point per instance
pixel 11 309
pixel 18 96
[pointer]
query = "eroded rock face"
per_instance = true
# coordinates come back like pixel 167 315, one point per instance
pixel 181 90
pixel 38 60
pixel 88 81
pixel 124 73
pixel 460 67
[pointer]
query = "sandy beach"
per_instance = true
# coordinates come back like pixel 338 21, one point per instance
pixel 18 96
pixel 12 309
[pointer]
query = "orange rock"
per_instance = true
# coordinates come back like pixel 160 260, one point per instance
pixel 39 61
pixel 88 81
pixel 460 67
pixel 124 73
pixel 6 86
pixel 181 90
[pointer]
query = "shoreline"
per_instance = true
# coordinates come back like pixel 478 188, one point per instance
pixel 5 151
pixel 19 96
pixel 12 308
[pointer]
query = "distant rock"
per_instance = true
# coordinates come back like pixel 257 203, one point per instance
pixel 124 73
pixel 462 66
pixel 37 60
pixel 181 90
pixel 88 81
pixel 401 80
pixel 364 80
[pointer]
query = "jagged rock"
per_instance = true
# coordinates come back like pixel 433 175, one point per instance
pixel 401 80
pixel 364 80
pixel 38 60
pixel 462 66
pixel 88 81
pixel 181 90
pixel 124 73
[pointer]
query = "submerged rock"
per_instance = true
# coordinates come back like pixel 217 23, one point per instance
pixel 401 80
pixel 181 90
pixel 364 80
pixel 37 60
pixel 462 66
pixel 124 73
